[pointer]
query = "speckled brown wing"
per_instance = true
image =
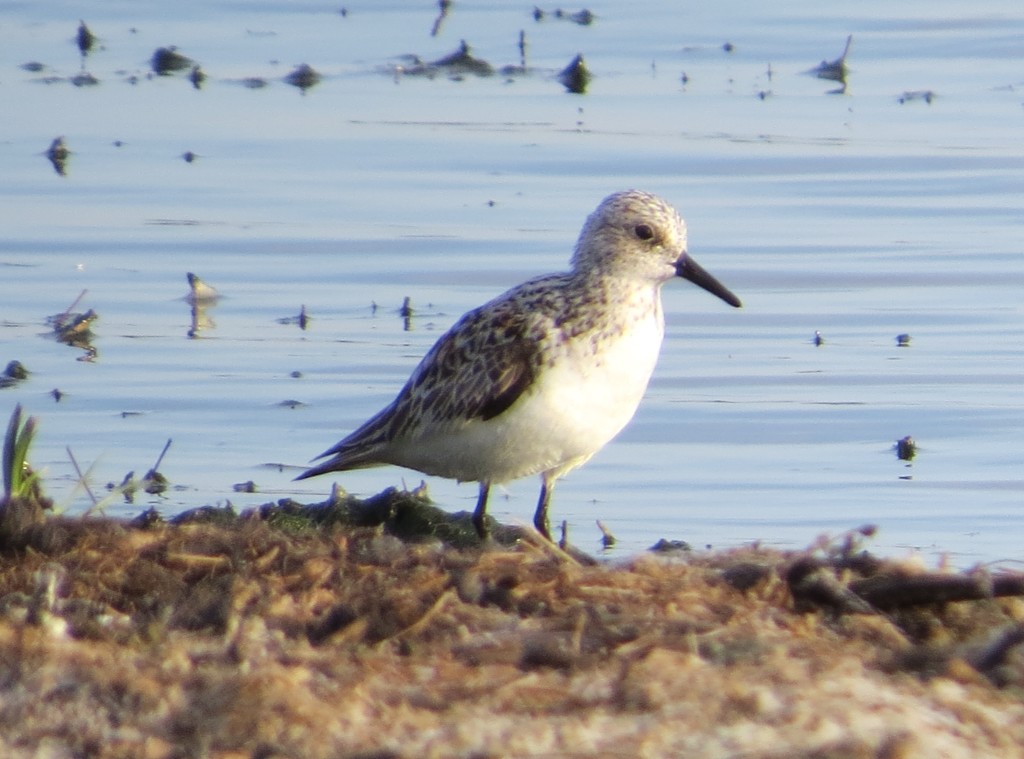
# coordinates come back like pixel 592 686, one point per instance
pixel 476 371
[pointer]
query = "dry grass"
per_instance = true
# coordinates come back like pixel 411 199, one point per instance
pixel 247 640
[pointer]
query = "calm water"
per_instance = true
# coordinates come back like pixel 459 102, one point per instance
pixel 854 214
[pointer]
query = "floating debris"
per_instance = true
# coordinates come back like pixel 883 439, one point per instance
pixel 906 448
pixel 728 47
pixel 167 60
pixel 443 7
pixel 582 17
pixel 302 319
pixel 406 312
pixel 455 65
pixel 818 339
pixel 303 77
pixel 254 83
pixel 58 154
pixel 462 61
pixel 155 483
pixel 16 370
pixel 84 79
pixel 903 340
pixel 836 70
pixel 607 539
pixel 199 291
pixel 126 487
pixel 188 156
pixel 71 327
pixel 201 296
pixel 197 77
pixel 84 38
pixel 75 329
pixel 575 77
pixel 57 394
pixel 33 67
pixel 926 95
pixel 13 374
pixel 291 403
pixel 244 487
pixel 512 70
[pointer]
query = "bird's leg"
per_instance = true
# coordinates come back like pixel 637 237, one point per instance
pixel 480 512
pixel 540 517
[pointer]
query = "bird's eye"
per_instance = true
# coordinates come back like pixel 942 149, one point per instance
pixel 643 232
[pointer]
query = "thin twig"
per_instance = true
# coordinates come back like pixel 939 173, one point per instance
pixel 82 479
pixel 163 453
pixel 74 303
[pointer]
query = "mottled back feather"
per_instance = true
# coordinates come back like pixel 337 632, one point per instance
pixel 474 373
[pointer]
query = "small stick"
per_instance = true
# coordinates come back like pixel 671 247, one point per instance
pixel 74 303
pixel 163 453
pixel 81 477
pixel 607 539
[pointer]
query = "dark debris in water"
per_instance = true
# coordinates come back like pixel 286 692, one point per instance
pixel 835 71
pixel 456 64
pixel 924 96
pixel 197 76
pixel 302 319
pixel 57 154
pixel 576 76
pixel 443 7
pixel 462 61
pixel 582 17
pixel 84 79
pixel 84 38
pixel 906 448
pixel 303 77
pixel 167 60
pixel 13 373
pixel 75 329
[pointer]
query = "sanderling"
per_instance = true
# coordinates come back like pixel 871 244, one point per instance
pixel 542 377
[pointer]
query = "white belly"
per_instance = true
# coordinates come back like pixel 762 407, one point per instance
pixel 575 406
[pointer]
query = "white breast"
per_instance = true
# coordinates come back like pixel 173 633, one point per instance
pixel 579 401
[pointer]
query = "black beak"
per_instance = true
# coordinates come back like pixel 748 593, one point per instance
pixel 689 269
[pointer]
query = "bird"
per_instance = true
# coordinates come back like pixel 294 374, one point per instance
pixel 540 378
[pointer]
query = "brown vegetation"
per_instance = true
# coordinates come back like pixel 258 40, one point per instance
pixel 256 638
